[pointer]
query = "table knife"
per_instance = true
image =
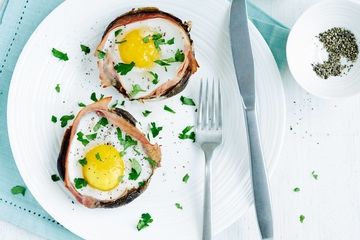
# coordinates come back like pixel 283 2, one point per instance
pixel 244 68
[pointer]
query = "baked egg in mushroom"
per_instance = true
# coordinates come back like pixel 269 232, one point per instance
pixel 146 53
pixel 105 160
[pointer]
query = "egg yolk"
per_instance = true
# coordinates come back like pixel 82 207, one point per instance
pixel 104 168
pixel 134 48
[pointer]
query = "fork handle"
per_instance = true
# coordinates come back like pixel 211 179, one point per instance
pixel 259 178
pixel 207 232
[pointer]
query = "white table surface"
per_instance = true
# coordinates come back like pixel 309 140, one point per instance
pixel 321 135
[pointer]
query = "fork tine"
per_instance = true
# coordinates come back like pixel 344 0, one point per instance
pixel 219 110
pixel 213 105
pixel 206 100
pixel 201 105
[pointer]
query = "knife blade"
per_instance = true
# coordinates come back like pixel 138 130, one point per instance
pixel 244 69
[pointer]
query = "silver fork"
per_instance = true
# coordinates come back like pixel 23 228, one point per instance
pixel 208 136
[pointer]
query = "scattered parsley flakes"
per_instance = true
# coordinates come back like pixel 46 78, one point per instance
pixel 117 32
pixel 186 178
pixel 100 54
pixel 123 41
pixel 54 119
pixel 186 134
pixel 177 205
pixel 80 104
pixel 55 178
pixel 162 63
pixel 155 78
pixel 167 108
pixel 60 55
pixel 115 104
pixel 155 130
pixel 296 189
pixel 80 183
pixel 146 113
pixel 301 218
pixel 85 141
pixel 101 123
pixel 135 169
pixel 124 68
pixel 127 142
pixel 18 190
pixel 315 175
pixel 187 101
pixel 170 41
pixel 179 56
pixel 83 162
pixel 144 221
pixel 141 184
pixel 91 136
pixel 94 98
pixel 135 90
pixel 57 88
pixel 152 162
pixel 85 49
pixel 64 119
pixel 122 103
pixel 146 39
pixel 97 155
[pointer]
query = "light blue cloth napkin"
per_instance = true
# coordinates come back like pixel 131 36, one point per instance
pixel 18 19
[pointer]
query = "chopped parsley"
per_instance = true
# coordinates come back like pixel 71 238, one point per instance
pixel 94 98
pixel 146 39
pixel 91 136
pixel 141 184
pixel 152 162
pixel 315 175
pixel 178 205
pixel 155 78
pixel 179 57
pixel 146 113
pixel 135 169
pixel 127 142
pixel 85 49
pixel 115 104
pixel 124 68
pixel 117 32
pixel 55 178
pixel 186 178
pixel 187 101
pixel 80 104
pixel 64 119
pixel 186 134
pixel 167 108
pixel 97 155
pixel 85 139
pixel 101 123
pixel 296 189
pixel 18 190
pixel 80 183
pixel 170 41
pixel 162 63
pixel 155 130
pixel 135 90
pixel 83 162
pixel 301 218
pixel 123 41
pixel 60 55
pixel 144 221
pixel 57 88
pixel 53 119
pixel 101 54
pixel 122 103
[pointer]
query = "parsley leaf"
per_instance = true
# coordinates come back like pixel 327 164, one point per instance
pixel 162 63
pixel 83 162
pixel 155 77
pixel 315 175
pixel 91 136
pixel 179 56
pixel 55 178
pixel 155 130
pixel 177 205
pixel 144 221
pixel 57 88
pixel 187 101
pixel 146 39
pixel 97 155
pixel 123 41
pixel 186 134
pixel 117 32
pixel 94 97
pixel 186 178
pixel 141 184
pixel 18 190
pixel 80 183
pixel 124 68
pixel 60 55
pixel 85 141
pixel 122 103
pixel 127 142
pixel 53 119
pixel 296 189
pixel 167 108
pixel 135 169
pixel 101 123
pixel 64 119
pixel 170 41
pixel 85 49
pixel 115 104
pixel 146 113
pixel 152 162
pixel 101 54
pixel 301 218
pixel 80 104
pixel 135 90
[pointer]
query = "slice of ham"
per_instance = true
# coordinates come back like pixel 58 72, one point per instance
pixel 108 75
pixel 119 118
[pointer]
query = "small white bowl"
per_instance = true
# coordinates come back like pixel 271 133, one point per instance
pixel 304 49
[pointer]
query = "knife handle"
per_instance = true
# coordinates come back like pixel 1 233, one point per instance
pixel 259 179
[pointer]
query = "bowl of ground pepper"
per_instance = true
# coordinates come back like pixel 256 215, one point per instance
pixel 323 49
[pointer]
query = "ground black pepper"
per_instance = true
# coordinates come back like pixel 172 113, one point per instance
pixel 339 43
